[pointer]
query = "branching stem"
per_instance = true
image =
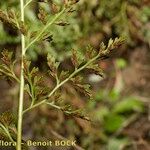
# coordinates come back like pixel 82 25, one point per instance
pixel 27 3
pixel 12 75
pixel 45 28
pixel 7 132
pixel 21 94
pixel 60 84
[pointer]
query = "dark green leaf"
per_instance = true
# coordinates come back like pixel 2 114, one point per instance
pixel 113 122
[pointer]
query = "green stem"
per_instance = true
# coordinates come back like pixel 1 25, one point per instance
pixel 12 75
pixel 7 132
pixel 32 42
pixel 27 3
pixel 57 107
pixel 45 28
pixel 61 83
pixel 35 105
pixel 21 96
pixel 32 90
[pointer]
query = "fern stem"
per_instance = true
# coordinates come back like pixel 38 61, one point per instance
pixel 12 75
pixel 35 105
pixel 61 83
pixel 7 132
pixel 45 28
pixel 27 4
pixel 32 91
pixel 21 96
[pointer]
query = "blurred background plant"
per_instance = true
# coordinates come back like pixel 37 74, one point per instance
pixel 120 108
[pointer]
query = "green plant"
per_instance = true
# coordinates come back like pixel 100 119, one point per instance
pixel 121 109
pixel 30 81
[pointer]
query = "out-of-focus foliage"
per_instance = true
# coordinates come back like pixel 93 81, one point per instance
pixel 92 21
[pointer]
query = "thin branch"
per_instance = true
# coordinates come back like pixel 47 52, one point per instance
pixel 32 91
pixel 45 28
pixel 27 3
pixel 60 84
pixel 48 103
pixel 7 132
pixel 58 107
pixel 34 106
pixel 10 75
